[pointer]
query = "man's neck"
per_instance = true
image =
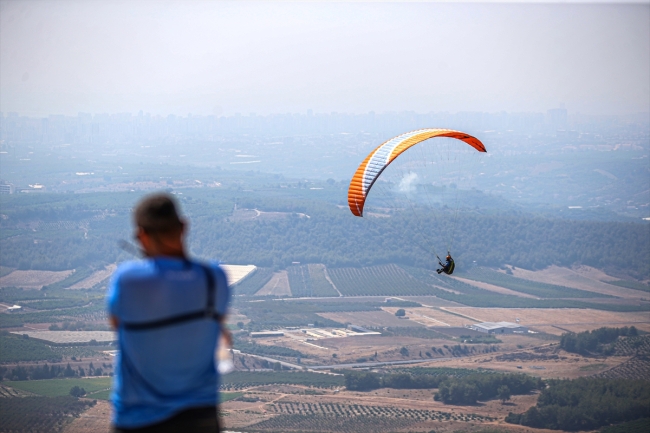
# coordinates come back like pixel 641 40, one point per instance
pixel 167 255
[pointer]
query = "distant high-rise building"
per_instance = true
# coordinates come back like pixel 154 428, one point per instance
pixel 7 188
pixel 557 118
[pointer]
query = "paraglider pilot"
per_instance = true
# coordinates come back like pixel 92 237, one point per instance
pixel 447 267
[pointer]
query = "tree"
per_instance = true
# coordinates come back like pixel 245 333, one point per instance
pixel 503 393
pixel 75 391
pixel 400 313
pixel 68 372
pixel 404 351
pixel 362 381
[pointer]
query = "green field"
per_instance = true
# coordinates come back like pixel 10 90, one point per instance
pixel 98 388
pixel 18 348
pixel 385 280
pixel 227 396
pixel 631 285
pixel 58 387
pixel 254 282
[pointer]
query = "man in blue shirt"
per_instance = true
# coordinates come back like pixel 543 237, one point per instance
pixel 169 313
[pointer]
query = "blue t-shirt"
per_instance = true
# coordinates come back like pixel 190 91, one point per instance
pixel 162 371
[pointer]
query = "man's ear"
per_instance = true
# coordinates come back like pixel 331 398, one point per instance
pixel 145 239
pixel 141 234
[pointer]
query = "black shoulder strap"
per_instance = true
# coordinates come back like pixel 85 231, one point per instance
pixel 207 313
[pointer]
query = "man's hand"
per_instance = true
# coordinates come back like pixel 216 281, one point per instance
pixel 112 320
pixel 227 335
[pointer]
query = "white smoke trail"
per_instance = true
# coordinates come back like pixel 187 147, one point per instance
pixel 407 183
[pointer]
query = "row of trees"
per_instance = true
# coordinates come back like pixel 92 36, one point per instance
pixel 465 390
pixel 333 237
pixel 586 404
pixel 469 389
pixel 593 342
pixel 52 372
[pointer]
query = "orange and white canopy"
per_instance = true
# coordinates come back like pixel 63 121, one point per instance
pixel 383 155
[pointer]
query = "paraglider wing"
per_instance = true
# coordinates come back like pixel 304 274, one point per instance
pixel 383 155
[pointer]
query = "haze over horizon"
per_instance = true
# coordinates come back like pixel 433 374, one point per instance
pixel 222 58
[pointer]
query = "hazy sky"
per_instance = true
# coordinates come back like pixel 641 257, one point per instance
pixel 206 57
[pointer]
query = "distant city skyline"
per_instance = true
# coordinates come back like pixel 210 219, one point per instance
pixel 221 58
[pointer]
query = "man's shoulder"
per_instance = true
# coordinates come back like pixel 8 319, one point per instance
pixel 215 267
pixel 132 267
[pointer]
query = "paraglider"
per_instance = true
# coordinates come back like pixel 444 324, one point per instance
pixel 447 267
pixel 372 167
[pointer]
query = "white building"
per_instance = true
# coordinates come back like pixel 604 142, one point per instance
pixel 7 188
pixel 263 334
pixel 499 328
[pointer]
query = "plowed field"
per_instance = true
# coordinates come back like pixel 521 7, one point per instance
pixel 574 319
pixel 278 285
pixel 583 278
pixel 32 279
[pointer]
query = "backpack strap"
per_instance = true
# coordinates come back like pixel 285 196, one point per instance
pixel 207 313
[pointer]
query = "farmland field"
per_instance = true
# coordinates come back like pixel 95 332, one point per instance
pixel 631 285
pixel 300 281
pixel 96 387
pixel 282 409
pixel 637 367
pixel 60 337
pixel 360 417
pixel 33 279
pixel 493 288
pixel 94 279
pixel 534 288
pixel 40 414
pixel 60 387
pixel 430 316
pixel 579 319
pixel 320 286
pixel 254 282
pixel 369 318
pixel 277 285
pixel 383 280
pixel 583 278
pixel 95 419
pixel 9 392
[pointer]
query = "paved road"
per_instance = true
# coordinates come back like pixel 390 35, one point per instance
pixel 351 365
pixel 376 364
